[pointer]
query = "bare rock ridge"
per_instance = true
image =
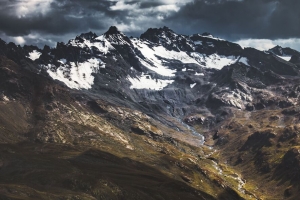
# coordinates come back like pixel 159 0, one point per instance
pixel 162 116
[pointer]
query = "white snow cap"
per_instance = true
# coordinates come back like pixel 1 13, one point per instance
pixel 76 75
pixel 146 82
pixel 34 55
pixel 244 60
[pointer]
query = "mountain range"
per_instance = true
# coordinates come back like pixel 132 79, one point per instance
pixel 162 116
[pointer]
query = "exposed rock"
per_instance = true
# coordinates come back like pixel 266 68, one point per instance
pixel 250 107
pixel 289 133
pixel 288 192
pixel 261 162
pixel 259 106
pixel 289 168
pixel 96 107
pixel 222 140
pixel 146 129
pixel 186 178
pixel 291 111
pixel 285 104
pixel 258 140
pixel 192 119
pixel 274 118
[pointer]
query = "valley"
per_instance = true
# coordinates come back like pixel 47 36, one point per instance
pixel 162 116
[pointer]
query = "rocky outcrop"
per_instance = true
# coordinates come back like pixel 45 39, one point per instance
pixel 258 140
pixel 289 168
pixel 146 129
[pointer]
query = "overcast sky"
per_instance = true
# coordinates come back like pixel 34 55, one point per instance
pixel 258 23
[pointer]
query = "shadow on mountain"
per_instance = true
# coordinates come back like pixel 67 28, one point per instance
pixel 229 194
pixel 30 171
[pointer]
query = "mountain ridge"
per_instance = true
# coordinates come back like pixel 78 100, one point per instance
pixel 215 119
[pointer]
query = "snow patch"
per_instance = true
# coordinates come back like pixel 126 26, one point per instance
pixel 158 56
pixel 210 44
pixel 198 42
pixel 162 70
pixel 34 55
pixel 212 37
pixel 285 57
pixel 146 82
pixel 244 60
pixel 99 43
pixel 193 85
pixel 214 60
pixel 199 74
pixel 117 39
pixel 4 98
pixel 62 61
pixel 76 75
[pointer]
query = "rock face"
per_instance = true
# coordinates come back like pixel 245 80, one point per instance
pixel 150 100
pixel 290 165
pixel 178 74
pixel 280 51
pixel 258 140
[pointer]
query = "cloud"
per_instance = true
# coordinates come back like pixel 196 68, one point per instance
pixel 36 7
pixel 55 18
pixel 22 17
pixel 51 18
pixel 233 19
pixel 260 44
pixel 266 44
pixel 19 40
pixel 122 5
pixel 60 20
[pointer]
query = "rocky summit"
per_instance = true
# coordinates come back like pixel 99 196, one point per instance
pixel 162 116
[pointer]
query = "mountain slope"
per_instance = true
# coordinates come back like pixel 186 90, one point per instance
pixel 193 117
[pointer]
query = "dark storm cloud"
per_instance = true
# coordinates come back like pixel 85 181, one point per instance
pixel 48 24
pixel 151 4
pixel 59 20
pixel 76 16
pixel 240 19
pixel 38 21
pixel 62 17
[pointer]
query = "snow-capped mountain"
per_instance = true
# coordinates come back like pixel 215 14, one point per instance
pixel 159 52
pixel 208 69
pixel 286 54
pixel 165 100
pixel 161 60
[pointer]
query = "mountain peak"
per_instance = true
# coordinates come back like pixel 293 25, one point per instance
pixel 158 31
pixel 284 51
pixel 276 47
pixel 88 36
pixel 277 50
pixel 154 34
pixel 206 34
pixel 165 28
pixel 112 30
pixel 2 41
pixel 114 36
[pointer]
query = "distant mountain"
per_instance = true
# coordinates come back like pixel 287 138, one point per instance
pixel 163 60
pixel 162 116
